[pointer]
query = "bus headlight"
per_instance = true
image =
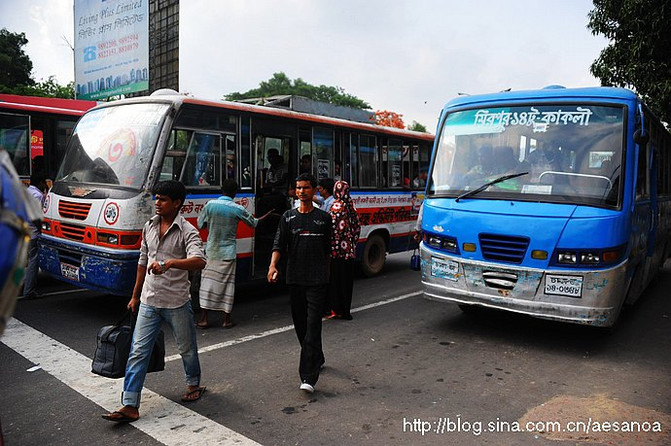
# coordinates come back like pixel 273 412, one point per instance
pixel 433 241
pixel 107 238
pixel 590 258
pixel 444 243
pixel 46 226
pixel 567 258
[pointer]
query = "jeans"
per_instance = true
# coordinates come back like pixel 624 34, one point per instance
pixel 307 309
pixel 148 325
pixel 30 280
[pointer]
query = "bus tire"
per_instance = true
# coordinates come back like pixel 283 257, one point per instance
pixel 374 255
pixel 469 309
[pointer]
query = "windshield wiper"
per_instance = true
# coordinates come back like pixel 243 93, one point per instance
pixel 470 193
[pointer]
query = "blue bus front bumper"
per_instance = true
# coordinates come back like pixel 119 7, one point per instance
pixel 523 290
pixel 107 270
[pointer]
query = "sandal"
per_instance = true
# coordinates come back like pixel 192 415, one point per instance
pixel 119 417
pixel 203 325
pixel 193 395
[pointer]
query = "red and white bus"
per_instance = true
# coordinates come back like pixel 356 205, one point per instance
pixel 101 196
pixel 35 130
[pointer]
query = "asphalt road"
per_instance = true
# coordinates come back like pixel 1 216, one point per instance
pixel 405 371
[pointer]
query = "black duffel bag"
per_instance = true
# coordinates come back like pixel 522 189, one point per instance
pixel 113 347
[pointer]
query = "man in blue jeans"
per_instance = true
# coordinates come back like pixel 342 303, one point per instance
pixel 171 246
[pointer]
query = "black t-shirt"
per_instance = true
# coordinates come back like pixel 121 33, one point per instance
pixel 304 241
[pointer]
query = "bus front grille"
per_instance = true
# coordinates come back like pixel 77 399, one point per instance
pixel 73 232
pixel 503 248
pixel 76 211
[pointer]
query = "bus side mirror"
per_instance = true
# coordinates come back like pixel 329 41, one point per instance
pixel 641 137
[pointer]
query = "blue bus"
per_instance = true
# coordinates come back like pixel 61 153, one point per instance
pixel 553 203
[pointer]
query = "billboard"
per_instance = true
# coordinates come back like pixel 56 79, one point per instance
pixel 111 47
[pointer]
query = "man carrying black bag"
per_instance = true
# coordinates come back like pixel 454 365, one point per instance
pixel 171 246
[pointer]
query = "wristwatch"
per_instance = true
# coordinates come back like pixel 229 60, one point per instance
pixel 161 263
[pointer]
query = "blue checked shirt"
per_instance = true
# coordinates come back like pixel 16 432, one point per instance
pixel 221 217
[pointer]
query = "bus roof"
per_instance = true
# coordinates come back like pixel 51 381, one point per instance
pixel 74 107
pixel 547 93
pixel 271 111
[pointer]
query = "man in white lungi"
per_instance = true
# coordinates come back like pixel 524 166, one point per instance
pixel 217 285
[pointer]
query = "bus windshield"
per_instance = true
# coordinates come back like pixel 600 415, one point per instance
pixel 113 145
pixel 567 153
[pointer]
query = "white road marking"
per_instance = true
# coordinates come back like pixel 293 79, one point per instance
pixel 162 419
pixel 221 345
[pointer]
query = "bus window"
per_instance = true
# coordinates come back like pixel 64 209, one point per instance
pixel 274 171
pixel 642 185
pixel 367 160
pixel 64 131
pixel 305 151
pixel 337 159
pixel 346 164
pixel 207 119
pixel 406 155
pixel 15 140
pixel 393 170
pixel 203 161
pixel 245 155
pixel 175 155
pixel 354 160
pixel 229 150
pixel 323 140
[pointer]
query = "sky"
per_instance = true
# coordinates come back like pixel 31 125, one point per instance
pixel 406 56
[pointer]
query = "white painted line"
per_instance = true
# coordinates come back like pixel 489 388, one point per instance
pixel 220 345
pixel 162 419
pixel 387 301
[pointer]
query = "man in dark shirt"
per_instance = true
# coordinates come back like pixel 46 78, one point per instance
pixel 303 237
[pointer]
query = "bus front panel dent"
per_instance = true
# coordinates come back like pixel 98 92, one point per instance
pixel 525 289
pixel 106 270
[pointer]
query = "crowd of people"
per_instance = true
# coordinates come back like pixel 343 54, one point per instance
pixel 316 240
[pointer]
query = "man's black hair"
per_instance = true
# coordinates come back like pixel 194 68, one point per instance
pixel 171 188
pixel 327 183
pixel 307 177
pixel 38 179
pixel 229 187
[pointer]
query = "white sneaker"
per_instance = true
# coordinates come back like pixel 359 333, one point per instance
pixel 309 388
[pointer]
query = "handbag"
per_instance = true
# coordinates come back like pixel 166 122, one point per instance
pixel 415 261
pixel 113 347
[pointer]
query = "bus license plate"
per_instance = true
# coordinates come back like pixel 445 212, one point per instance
pixel 444 269
pixel 563 285
pixel 70 272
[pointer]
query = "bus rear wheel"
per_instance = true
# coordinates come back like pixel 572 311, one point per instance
pixel 374 255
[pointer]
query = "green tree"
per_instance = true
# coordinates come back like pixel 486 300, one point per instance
pixel 15 65
pixel 417 127
pixel 50 88
pixel 280 84
pixel 639 53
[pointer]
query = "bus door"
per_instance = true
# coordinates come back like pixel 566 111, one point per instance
pixel 273 152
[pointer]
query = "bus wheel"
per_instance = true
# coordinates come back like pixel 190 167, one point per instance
pixel 374 255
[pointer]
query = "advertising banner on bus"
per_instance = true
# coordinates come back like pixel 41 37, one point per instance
pixel 111 47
